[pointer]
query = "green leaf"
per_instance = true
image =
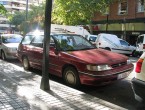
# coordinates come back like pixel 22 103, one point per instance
pixel 2 9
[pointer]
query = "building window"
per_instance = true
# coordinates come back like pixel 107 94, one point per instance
pixel 122 7
pixel 140 7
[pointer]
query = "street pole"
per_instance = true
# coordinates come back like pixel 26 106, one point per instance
pixel 26 9
pixel 107 23
pixel 25 29
pixel 124 20
pixel 47 26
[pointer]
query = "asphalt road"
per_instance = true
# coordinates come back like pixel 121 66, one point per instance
pixel 119 93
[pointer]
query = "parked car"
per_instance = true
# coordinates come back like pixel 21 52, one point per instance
pixel 8 45
pixel 113 43
pixel 74 58
pixel 140 44
pixel 138 82
pixel 92 39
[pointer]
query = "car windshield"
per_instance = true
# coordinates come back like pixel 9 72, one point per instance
pixel 11 38
pixel 72 42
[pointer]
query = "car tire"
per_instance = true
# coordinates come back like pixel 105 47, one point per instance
pixel 107 48
pixel 3 56
pixel 71 78
pixel 26 64
pixel 134 54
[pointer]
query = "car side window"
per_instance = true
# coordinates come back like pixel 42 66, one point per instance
pixel 27 39
pixel 124 43
pixel 38 41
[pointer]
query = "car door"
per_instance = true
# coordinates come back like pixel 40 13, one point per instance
pixel 55 64
pixel 125 47
pixel 37 51
pixel 38 55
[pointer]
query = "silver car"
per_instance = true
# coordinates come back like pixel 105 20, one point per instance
pixel 8 45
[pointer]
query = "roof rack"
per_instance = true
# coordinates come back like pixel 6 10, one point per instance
pixel 61 30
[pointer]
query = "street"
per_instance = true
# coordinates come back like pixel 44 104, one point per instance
pixel 119 93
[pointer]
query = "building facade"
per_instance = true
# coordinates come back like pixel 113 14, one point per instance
pixel 125 18
pixel 12 6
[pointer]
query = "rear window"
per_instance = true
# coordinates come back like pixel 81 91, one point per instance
pixel 27 39
pixel 38 41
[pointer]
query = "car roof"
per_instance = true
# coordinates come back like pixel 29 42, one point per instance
pixel 41 32
pixel 107 34
pixel 9 34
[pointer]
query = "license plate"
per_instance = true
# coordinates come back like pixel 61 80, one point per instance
pixel 123 75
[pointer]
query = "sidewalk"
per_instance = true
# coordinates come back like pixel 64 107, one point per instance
pixel 20 90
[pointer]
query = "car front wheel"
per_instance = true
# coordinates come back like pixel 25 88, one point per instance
pixel 71 77
pixel 26 64
pixel 107 48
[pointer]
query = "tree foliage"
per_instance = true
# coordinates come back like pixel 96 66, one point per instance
pixel 16 18
pixel 69 12
pixel 35 17
pixel 2 9
pixel 74 12
pixel 36 14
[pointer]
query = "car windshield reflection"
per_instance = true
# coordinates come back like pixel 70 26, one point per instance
pixel 73 42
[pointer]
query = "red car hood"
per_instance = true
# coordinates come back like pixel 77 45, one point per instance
pixel 98 56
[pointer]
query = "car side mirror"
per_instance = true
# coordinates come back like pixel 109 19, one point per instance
pixel 53 48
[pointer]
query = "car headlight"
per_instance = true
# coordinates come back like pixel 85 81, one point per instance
pixel 10 49
pixel 128 62
pixel 98 67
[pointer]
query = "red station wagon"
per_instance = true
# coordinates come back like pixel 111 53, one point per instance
pixel 74 58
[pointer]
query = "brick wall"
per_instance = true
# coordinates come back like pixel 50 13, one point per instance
pixel 113 15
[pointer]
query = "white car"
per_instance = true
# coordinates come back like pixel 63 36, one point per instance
pixel 8 45
pixel 140 44
pixel 112 43
pixel 138 82
pixel 92 39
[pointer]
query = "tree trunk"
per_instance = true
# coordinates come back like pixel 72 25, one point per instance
pixel 90 28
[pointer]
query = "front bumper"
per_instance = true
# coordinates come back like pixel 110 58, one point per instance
pixel 11 55
pixel 138 87
pixel 106 76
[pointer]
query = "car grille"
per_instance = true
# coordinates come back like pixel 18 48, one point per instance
pixel 118 64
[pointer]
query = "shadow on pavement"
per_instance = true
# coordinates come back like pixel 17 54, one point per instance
pixel 119 93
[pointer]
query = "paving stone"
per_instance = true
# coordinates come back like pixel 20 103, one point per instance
pixel 60 97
